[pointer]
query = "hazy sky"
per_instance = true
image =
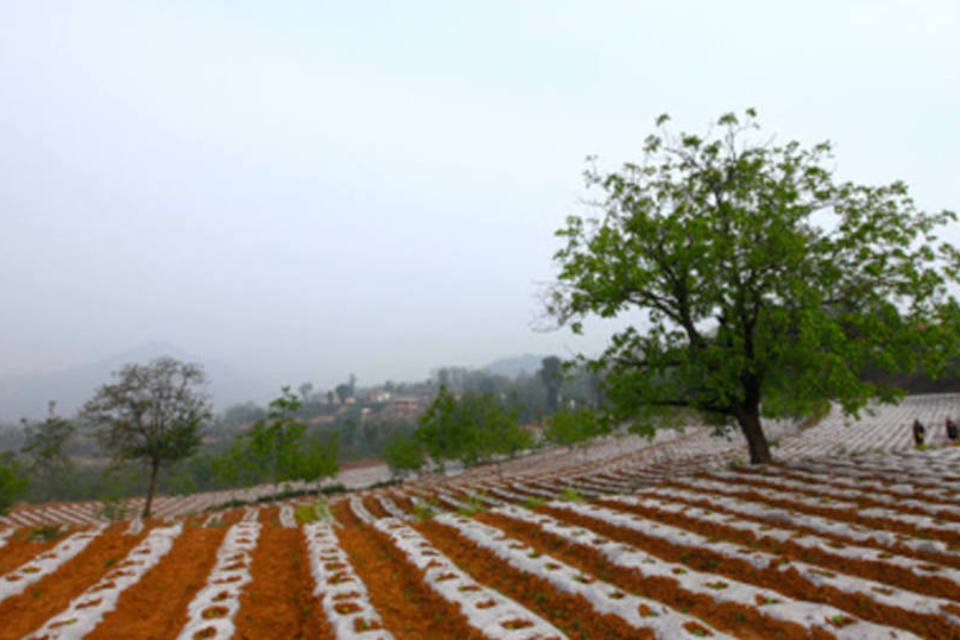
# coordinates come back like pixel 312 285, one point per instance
pixel 309 189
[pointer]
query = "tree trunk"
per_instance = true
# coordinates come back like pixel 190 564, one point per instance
pixel 756 440
pixel 154 468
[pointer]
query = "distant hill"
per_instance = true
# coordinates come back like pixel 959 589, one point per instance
pixel 27 395
pixel 527 364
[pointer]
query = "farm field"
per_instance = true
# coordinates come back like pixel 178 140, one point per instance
pixel 851 534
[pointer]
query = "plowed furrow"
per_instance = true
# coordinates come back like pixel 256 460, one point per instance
pixel 571 614
pixel 27 611
pixel 279 601
pixel 408 607
pixel 156 607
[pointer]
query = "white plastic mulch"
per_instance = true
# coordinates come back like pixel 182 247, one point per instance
pixel 212 610
pixel 87 610
pixel 46 563
pixel 486 610
pixel 815 576
pixel 605 598
pixel 718 588
pixel 344 597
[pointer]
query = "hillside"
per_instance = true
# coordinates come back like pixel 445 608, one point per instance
pixel 853 534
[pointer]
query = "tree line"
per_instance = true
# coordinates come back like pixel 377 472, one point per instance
pixel 154 417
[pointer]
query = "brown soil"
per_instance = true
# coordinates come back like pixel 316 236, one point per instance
pixel 871 570
pixel 571 614
pixel 933 501
pixel 740 621
pixel 373 506
pixel 402 501
pixel 279 602
pixel 753 477
pixel 950 537
pixel 20 549
pixel 899 549
pixel 156 607
pixel 408 607
pixel 52 594
pixel 744 492
pixel 788 582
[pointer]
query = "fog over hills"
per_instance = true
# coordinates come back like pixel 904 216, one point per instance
pixel 27 395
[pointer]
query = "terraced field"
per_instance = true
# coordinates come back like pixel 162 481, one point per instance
pixel 855 537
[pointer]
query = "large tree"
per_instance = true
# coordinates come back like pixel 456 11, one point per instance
pixel 154 413
pixel 756 284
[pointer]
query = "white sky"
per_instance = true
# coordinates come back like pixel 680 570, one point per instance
pixel 316 188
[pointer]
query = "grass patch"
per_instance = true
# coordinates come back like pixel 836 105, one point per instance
pixel 306 513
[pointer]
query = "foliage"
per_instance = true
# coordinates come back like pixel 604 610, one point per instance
pixel 306 513
pixel 112 508
pixel 572 427
pixel 533 502
pixel 12 482
pixel 154 412
pixel 403 455
pixel 472 428
pixel 46 532
pixel 570 494
pixel 761 281
pixel 424 509
pixel 551 373
pixel 45 446
pixel 276 444
pixel 471 507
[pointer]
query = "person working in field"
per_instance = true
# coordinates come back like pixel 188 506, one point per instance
pixel 951 431
pixel 918 433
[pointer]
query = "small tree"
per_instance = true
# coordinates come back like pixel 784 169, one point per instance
pixel 403 455
pixel 470 429
pixel 551 373
pixel 44 445
pixel 762 285
pixel 277 439
pixel 573 427
pixel 277 444
pixel 12 482
pixel 154 413
pixel 318 460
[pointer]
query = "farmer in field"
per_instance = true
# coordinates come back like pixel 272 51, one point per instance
pixel 918 433
pixel 951 431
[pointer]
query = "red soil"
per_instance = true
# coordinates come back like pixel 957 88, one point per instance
pixel 21 549
pixel 28 611
pixel 156 607
pixel 408 607
pixel 279 602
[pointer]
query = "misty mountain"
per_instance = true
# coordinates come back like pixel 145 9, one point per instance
pixel 27 395
pixel 512 367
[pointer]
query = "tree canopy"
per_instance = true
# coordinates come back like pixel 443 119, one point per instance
pixel 471 428
pixel 756 282
pixel 154 412
pixel 12 482
pixel 278 447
